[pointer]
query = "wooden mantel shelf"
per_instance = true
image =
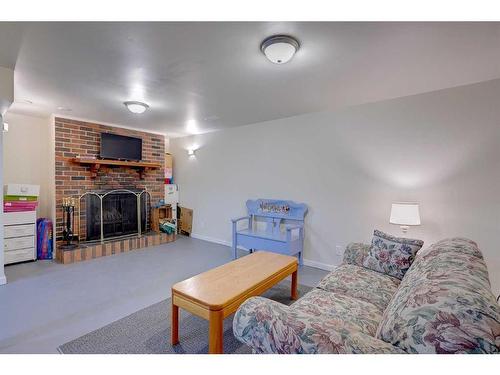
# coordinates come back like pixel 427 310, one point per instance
pixel 95 165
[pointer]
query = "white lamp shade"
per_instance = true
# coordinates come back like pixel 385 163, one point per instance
pixel 405 214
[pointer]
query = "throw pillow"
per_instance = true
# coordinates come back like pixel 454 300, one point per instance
pixel 391 255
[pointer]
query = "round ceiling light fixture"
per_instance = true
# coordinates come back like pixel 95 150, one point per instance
pixel 279 49
pixel 136 107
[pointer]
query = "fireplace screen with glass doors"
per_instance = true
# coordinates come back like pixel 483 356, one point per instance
pixel 119 211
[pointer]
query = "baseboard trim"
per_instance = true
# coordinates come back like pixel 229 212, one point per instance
pixel 210 239
pixel 307 262
pixel 320 265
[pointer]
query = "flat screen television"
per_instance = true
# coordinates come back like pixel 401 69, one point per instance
pixel 120 147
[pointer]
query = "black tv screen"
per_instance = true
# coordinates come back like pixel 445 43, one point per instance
pixel 120 147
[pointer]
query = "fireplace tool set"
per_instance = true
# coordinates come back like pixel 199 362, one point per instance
pixel 68 207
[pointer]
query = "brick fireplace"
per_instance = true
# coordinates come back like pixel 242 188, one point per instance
pixel 82 139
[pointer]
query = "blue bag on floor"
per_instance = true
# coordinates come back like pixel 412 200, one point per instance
pixel 44 241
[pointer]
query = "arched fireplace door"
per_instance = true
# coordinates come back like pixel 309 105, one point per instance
pixel 107 214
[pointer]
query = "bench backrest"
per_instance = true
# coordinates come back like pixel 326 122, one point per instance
pixel 275 211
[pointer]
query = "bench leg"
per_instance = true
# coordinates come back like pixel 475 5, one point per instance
pixel 235 247
pixel 301 259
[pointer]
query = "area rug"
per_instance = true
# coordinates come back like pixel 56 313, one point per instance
pixel 147 331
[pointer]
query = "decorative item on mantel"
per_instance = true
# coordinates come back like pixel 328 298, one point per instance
pixel 68 207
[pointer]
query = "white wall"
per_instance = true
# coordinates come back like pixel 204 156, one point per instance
pixel 6 99
pixel 26 155
pixel 441 149
pixel 6 88
pixel 3 279
pixel 51 185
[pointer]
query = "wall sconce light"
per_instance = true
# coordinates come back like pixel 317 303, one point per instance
pixel 405 214
pixel 5 127
pixel 191 152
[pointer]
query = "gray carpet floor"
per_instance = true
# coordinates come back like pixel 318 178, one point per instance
pixel 147 331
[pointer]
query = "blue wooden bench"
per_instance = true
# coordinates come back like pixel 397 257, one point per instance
pixel 272 225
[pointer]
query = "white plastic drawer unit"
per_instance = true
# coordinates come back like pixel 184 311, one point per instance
pixel 19 236
pixel 22 189
pixel 19 255
pixel 18 243
pixel 19 230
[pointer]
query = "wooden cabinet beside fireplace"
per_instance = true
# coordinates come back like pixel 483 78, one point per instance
pixel 158 213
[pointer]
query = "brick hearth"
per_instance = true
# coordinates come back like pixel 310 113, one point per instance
pixel 91 251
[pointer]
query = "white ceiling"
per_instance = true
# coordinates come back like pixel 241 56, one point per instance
pixel 214 74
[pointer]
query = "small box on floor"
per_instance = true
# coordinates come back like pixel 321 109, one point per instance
pixel 186 220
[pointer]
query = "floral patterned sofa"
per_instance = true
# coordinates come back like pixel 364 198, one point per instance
pixel 443 304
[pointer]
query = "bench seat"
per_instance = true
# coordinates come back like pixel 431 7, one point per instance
pixel 280 236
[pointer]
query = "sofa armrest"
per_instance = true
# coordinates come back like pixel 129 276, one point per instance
pixel 355 253
pixel 271 327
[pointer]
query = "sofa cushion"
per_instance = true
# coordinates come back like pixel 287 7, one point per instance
pixel 444 304
pixel 355 253
pixel 352 313
pixel 391 255
pixel 361 283
pixel 268 326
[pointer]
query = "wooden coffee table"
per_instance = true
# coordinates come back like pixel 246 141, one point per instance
pixel 217 293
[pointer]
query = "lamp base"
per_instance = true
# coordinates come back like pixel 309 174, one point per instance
pixel 404 228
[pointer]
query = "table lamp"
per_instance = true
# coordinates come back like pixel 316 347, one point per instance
pixel 405 214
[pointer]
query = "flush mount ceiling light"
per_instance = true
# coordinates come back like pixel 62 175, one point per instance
pixel 136 107
pixel 279 49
